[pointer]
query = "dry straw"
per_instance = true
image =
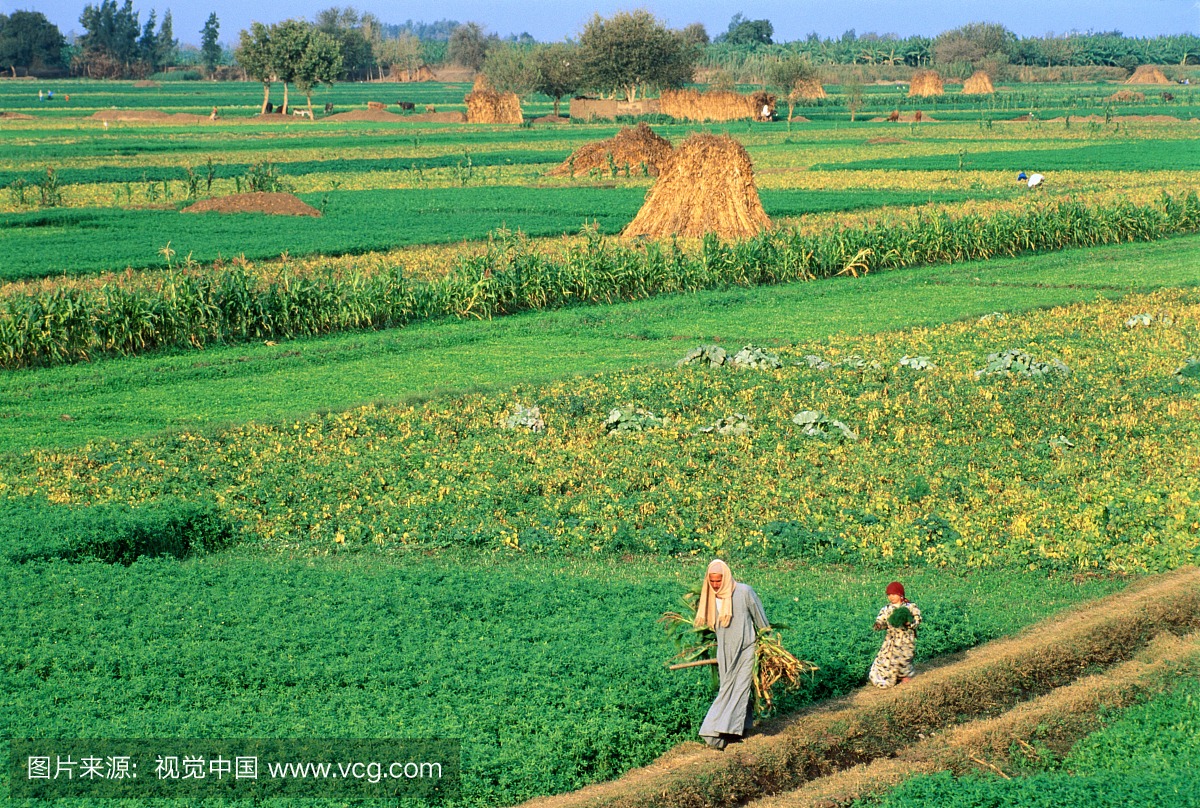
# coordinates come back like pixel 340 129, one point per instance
pixel 926 83
pixel 1147 74
pixel 979 83
pixel 716 105
pixel 706 187
pixel 485 105
pixel 633 146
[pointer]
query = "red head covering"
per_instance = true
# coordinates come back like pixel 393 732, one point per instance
pixel 895 588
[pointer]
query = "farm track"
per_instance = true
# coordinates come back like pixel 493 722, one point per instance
pixel 963 706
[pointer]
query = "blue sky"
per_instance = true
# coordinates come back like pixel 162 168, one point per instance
pixel 551 20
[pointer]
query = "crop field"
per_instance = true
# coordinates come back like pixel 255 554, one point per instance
pixel 268 476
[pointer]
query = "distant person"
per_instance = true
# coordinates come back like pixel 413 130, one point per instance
pixel 41 96
pixel 894 663
pixel 766 113
pixel 735 613
pixel 67 98
pixel 49 95
pixel 212 116
pixel 1021 177
pixel 1034 180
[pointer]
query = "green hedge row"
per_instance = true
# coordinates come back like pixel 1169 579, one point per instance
pixel 230 305
pixel 116 534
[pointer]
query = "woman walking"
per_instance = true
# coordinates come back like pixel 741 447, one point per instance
pixel 894 664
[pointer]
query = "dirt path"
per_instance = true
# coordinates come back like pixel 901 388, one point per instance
pixel 873 724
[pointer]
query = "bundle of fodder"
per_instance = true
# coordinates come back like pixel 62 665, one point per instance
pixel 1147 74
pixel 716 105
pixel 706 187
pixel 635 146
pixel 926 82
pixel 979 83
pixel 485 105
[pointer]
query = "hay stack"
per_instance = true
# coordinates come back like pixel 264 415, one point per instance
pixel 485 105
pixel 926 83
pixel 632 146
pixel 716 105
pixel 1147 74
pixel 979 83
pixel 706 187
pixel 809 90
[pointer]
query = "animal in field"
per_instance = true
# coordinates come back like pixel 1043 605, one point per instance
pixel 430 108
pixel 377 105
pixel 406 105
pixel 329 108
pixel 895 116
pixel 917 116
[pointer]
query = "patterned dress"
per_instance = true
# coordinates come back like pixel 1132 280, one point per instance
pixel 895 659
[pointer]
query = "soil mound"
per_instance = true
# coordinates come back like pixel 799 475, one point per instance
pixel 632 146
pixel 258 202
pixel 1147 74
pixel 438 117
pixel 147 116
pixel 15 116
pixel 146 84
pixel 1127 96
pixel 876 141
pixel 376 115
pixel 706 187
pixel 926 83
pixel 552 119
pixel 979 83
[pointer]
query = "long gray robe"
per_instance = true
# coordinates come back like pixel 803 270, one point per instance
pixel 732 711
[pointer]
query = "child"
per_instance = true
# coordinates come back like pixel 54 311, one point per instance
pixel 894 664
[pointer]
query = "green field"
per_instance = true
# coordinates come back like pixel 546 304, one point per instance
pixel 335 536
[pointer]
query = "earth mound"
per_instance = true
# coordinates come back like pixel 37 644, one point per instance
pixel 258 202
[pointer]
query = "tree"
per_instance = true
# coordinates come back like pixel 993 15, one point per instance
pixel 147 46
pixel 468 46
pixel 255 53
pixel 511 69
pixel 320 63
pixel 747 32
pixel 30 41
pixel 210 49
pixel 973 43
pixel 289 39
pixel 558 71
pixel 109 47
pixel 786 76
pixel 633 49
pixel 695 34
pixel 404 52
pixel 852 89
pixel 350 30
pixel 166 46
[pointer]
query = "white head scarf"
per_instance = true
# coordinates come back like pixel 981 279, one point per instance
pixel 706 610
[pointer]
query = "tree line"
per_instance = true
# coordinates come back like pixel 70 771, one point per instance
pixel 117 44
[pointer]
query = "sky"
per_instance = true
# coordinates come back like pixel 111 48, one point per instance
pixel 553 20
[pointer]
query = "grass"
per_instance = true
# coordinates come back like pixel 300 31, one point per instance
pixel 81 241
pixel 118 399
pixel 511 657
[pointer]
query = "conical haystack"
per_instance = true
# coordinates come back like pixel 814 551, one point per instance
pixel 926 82
pixel 633 146
pixel 706 187
pixel 485 105
pixel 979 83
pixel 809 89
pixel 1147 74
